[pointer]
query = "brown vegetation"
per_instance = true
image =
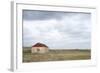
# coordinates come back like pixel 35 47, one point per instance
pixel 56 55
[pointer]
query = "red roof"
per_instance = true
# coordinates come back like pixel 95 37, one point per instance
pixel 39 45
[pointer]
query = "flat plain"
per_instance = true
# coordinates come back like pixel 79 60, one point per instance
pixel 56 55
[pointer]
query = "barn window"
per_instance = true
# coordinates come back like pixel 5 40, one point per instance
pixel 38 49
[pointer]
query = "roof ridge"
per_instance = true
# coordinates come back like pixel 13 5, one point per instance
pixel 39 45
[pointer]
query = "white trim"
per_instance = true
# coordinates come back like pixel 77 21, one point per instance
pixel 67 3
pixel 17 37
pixel 13 37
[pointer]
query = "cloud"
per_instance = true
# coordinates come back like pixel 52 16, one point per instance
pixel 41 15
pixel 45 15
pixel 73 30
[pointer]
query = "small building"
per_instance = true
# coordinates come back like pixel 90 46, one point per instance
pixel 39 48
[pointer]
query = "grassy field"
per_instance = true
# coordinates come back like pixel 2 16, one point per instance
pixel 55 55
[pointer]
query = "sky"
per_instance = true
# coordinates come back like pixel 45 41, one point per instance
pixel 58 30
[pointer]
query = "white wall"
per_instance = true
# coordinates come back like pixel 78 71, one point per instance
pixel 5 36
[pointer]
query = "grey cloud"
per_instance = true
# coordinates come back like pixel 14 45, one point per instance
pixel 45 15
pixel 54 28
pixel 40 15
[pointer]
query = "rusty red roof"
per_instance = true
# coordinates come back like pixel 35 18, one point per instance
pixel 39 45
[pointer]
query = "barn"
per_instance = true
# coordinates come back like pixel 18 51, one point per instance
pixel 39 48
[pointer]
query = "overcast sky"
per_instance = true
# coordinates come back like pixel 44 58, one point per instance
pixel 58 30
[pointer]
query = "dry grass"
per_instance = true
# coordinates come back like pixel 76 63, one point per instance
pixel 56 55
